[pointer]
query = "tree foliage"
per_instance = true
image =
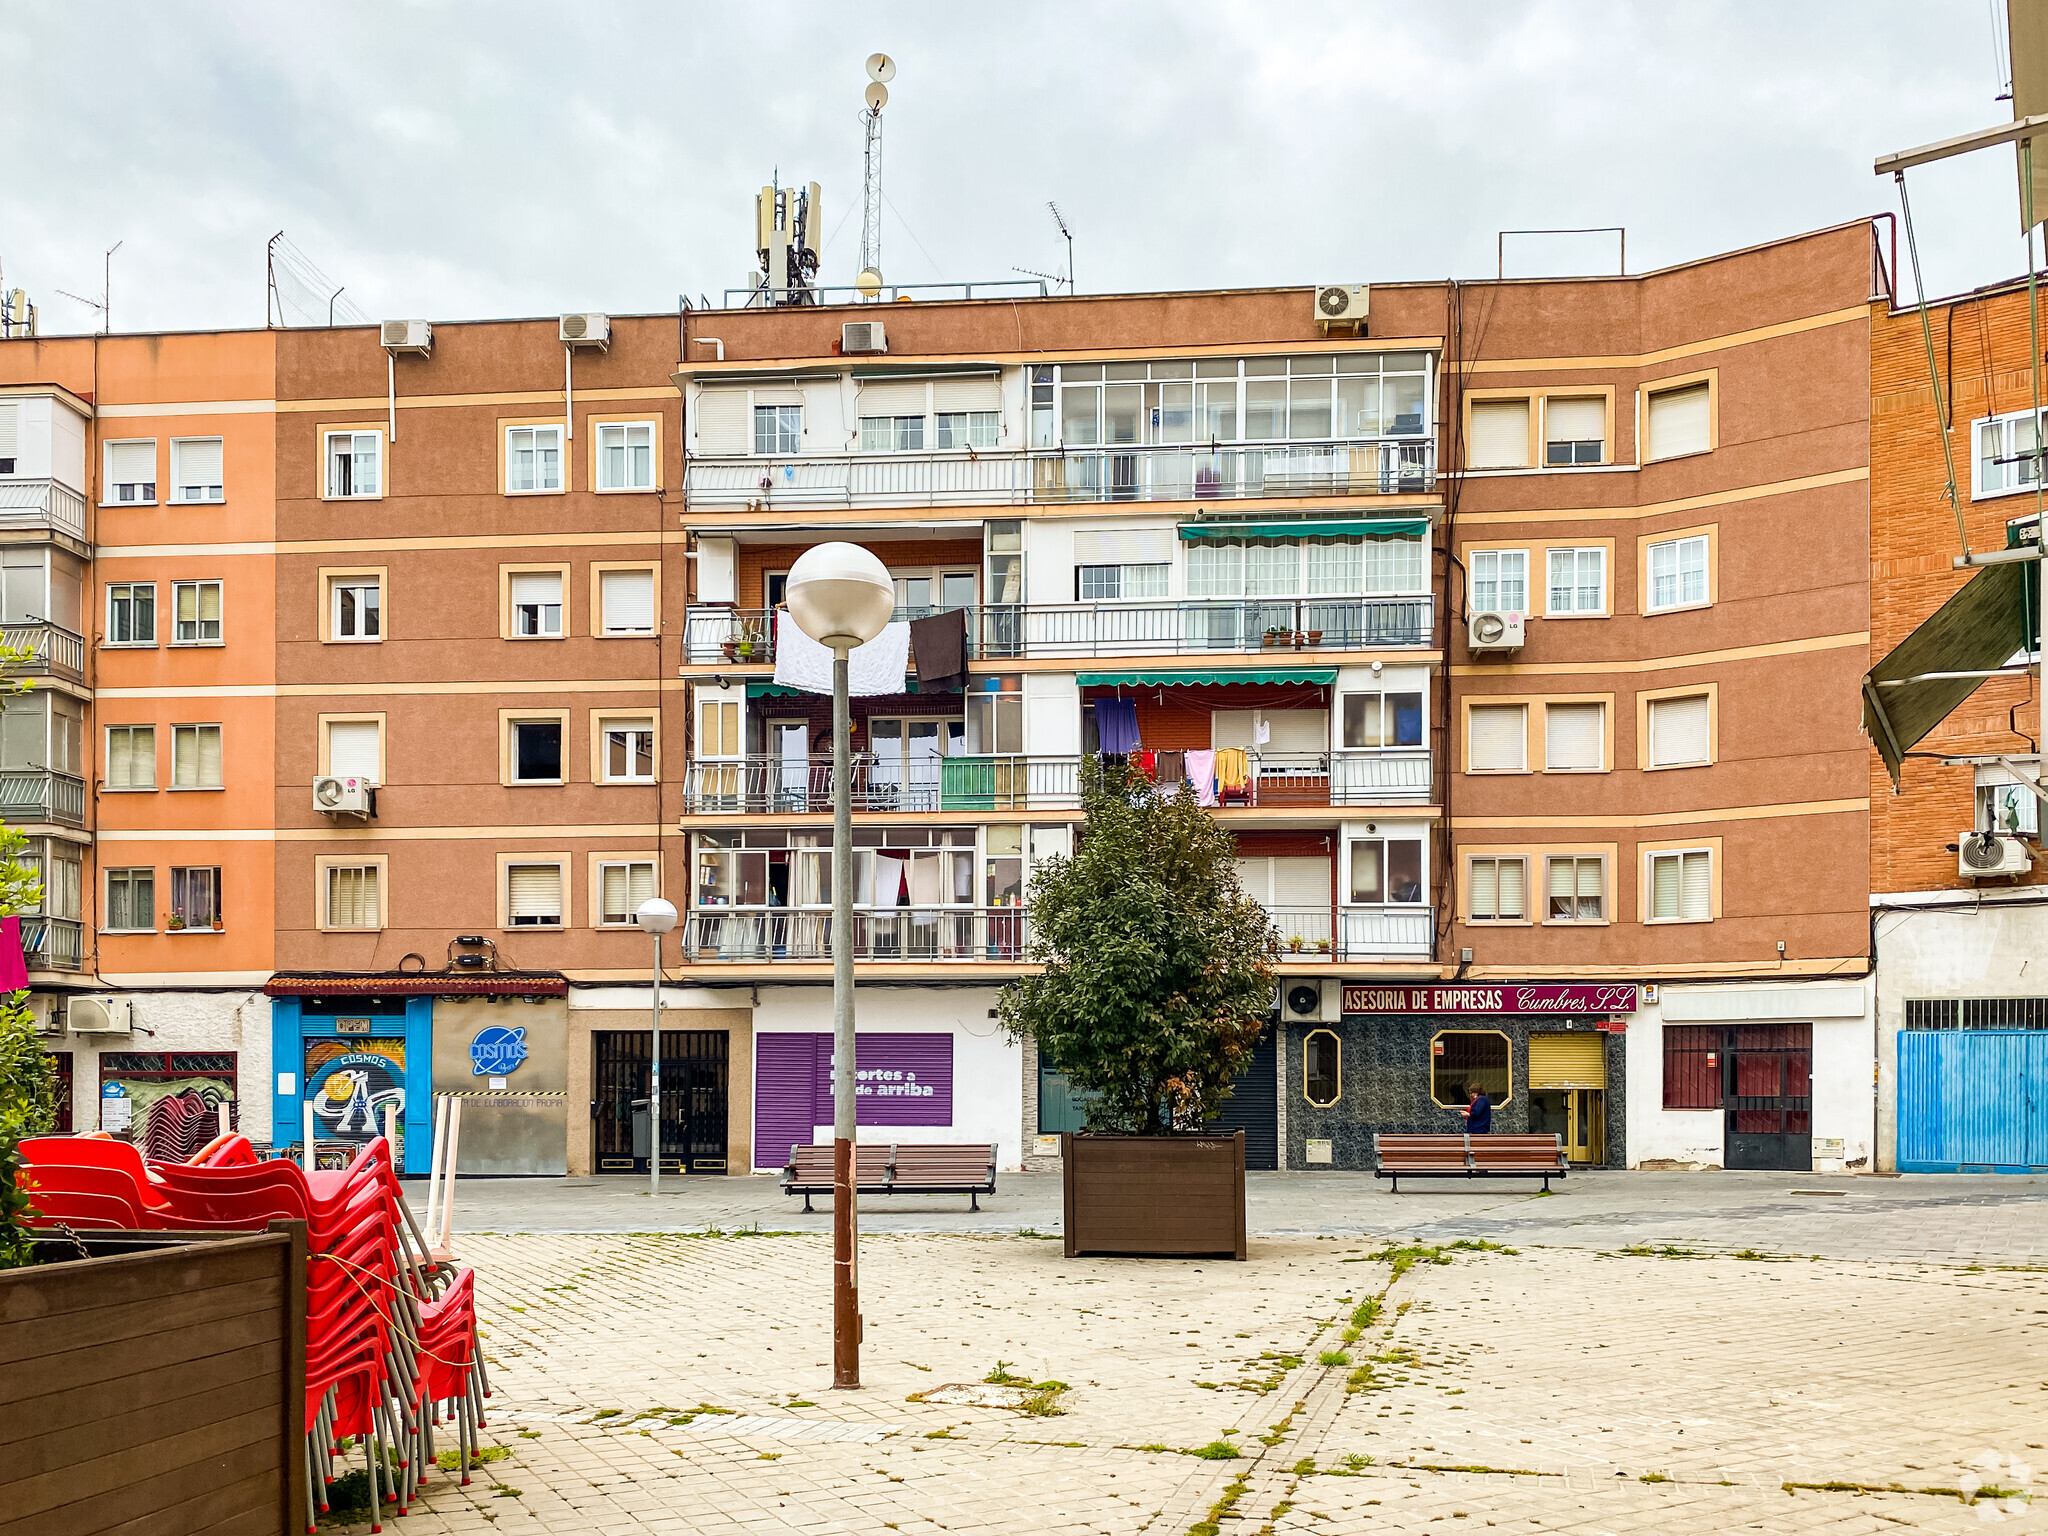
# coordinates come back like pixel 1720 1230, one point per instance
pixel 28 1102
pixel 1156 980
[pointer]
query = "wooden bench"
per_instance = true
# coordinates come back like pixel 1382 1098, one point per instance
pixel 968 1168
pixel 1465 1156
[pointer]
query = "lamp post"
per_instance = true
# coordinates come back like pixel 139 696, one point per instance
pixel 655 917
pixel 841 596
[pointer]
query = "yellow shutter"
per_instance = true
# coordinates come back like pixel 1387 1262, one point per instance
pixel 1568 1061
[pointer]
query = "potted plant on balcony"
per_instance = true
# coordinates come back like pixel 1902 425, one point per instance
pixel 1277 636
pixel 1156 982
pixel 176 920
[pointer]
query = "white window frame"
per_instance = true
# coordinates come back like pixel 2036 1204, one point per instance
pixel 892 434
pixel 534 432
pixel 213 887
pixel 1486 573
pixel 599 919
pixel 983 429
pixel 108 485
pixel 1650 707
pixel 1650 884
pixel 1576 607
pixel 357 583
pixel 512 727
pixel 605 628
pixel 1600 735
pixel 629 725
pixel 561 869
pixel 1472 863
pixel 131 588
pixel 198 587
pixel 209 494
pixel 1600 455
pixel 1678 548
pixel 626 429
pixel 2004 426
pixel 781 442
pixel 560 605
pixel 377 870
pixel 1472 708
pixel 220 754
pixel 328 479
pixel 1123 594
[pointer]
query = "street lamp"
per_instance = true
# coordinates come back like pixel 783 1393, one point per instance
pixel 841 596
pixel 655 917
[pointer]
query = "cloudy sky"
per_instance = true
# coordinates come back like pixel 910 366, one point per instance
pixel 457 160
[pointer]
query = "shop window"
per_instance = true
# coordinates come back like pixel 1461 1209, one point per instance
pixel 167 1102
pixel 1322 1068
pixel 1465 1060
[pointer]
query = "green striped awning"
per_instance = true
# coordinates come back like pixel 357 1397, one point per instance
pixel 1199 677
pixel 1346 528
pixel 767 690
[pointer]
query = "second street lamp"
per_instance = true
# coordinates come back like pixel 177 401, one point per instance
pixel 655 916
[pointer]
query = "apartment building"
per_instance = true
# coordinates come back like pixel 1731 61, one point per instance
pixel 1959 918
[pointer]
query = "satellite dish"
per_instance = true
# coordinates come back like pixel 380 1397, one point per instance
pixel 881 68
pixel 878 96
pixel 869 283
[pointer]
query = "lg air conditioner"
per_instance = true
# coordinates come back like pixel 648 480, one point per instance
pixel 1490 631
pixel 1342 304
pixel 1311 1002
pixel 338 795
pixel 1981 855
pixel 863 336
pixel 101 1015
pixel 415 336
pixel 586 330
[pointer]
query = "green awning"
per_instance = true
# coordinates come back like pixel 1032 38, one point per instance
pixel 766 690
pixel 1157 677
pixel 1346 528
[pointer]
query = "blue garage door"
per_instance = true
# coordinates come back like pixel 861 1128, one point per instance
pixel 1971 1099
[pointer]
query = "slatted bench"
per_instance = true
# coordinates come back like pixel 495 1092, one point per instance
pixel 1466 1156
pixel 967 1168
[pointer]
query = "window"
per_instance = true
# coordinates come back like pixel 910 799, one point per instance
pixel 352 897
pixel 1681 887
pixel 778 429
pixel 969 429
pixel 1681 421
pixel 625 456
pixel 537 605
pixel 1500 435
pixel 625 602
pixel 1574 737
pixel 195 757
pixel 718 728
pixel 1681 733
pixel 354 749
pixel 196 469
pixel 628 752
pixel 1382 720
pixel 1497 891
pixel 536 751
pixel 937 593
pixel 1119 583
pixel 1496 738
pixel 131 613
pixel 622 888
pixel 1578 581
pixel 1500 580
pixel 1678 573
pixel 533 895
pixel 1467 1061
pixel 891 434
pixel 131 473
pixel 1385 869
pixel 1574 431
pixel 356 610
pixel 1577 886
pixel 2008 456
pixel 1230 399
pixel 1692 1066
pixel 195 897
pixel 131 757
pixel 1317 568
pixel 354 460
pixel 2007 807
pixel 195 613
pixel 131 900
pixel 533 459
pixel 1322 1068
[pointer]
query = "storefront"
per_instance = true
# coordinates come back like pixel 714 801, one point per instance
pixel 1407 1060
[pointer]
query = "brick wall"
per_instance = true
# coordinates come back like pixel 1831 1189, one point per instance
pixel 756 560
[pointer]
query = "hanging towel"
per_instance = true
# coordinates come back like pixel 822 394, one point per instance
pixel 1172 770
pixel 939 643
pixel 1202 773
pixel 1262 732
pixel 926 888
pixel 877 667
pixel 13 965
pixel 888 881
pixel 1148 764
pixel 1233 768
pixel 1116 726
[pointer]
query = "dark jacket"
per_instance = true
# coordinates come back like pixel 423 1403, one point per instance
pixel 1480 1120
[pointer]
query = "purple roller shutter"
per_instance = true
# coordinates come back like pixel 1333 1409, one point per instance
pixel 786 1071
pixel 901 1079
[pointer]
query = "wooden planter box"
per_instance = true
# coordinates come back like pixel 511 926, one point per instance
pixel 156 1386
pixel 1166 1195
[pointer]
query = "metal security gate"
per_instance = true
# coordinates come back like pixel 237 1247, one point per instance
pixel 1254 1105
pixel 694 1078
pixel 1973 1099
pixel 1767 1094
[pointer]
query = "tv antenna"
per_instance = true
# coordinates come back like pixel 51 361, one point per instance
pixel 105 302
pixel 1066 235
pixel 881 70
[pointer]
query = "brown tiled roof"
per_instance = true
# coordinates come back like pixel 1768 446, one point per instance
pixel 417 984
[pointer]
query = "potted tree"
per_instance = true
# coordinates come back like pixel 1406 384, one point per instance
pixel 1155 985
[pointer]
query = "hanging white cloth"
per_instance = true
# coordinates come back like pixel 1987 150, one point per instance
pixel 880 666
pixel 1262 733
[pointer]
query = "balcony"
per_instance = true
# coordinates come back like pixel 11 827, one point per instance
pixel 1394 930
pixel 42 504
pixel 1182 472
pixel 52 943
pixel 45 650
pixel 937 934
pixel 1301 933
pixel 32 794
pixel 1265 627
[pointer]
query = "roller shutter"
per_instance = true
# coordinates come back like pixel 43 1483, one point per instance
pixel 1568 1061
pixel 1497 737
pixel 1574 421
pixel 723 422
pixel 966 395
pixel 892 399
pixel 1123 546
pixel 1679 422
pixel 534 891
pixel 1678 731
pixel 1500 434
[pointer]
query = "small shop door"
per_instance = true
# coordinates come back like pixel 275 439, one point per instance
pixel 1767 1096
pixel 1568 1092
pixel 694 1084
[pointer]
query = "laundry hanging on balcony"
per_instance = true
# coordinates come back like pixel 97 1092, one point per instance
pixel 938 642
pixel 13 963
pixel 1116 726
pixel 878 667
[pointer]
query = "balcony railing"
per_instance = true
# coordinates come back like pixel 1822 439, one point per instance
pixel 31 794
pixel 52 943
pixel 1302 933
pixel 51 651
pixel 1179 472
pixel 1378 775
pixel 1394 929
pixel 42 504
pixel 905 934
pixel 1261 626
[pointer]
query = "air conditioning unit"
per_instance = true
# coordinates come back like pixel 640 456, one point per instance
pixel 1494 632
pixel 101 1015
pixel 863 336
pixel 1980 855
pixel 408 336
pixel 1343 304
pixel 340 796
pixel 586 330
pixel 1311 1002
pixel 47 1009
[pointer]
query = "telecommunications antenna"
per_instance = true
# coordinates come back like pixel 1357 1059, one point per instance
pixel 881 70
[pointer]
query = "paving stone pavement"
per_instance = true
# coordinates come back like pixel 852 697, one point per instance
pixel 1553 1388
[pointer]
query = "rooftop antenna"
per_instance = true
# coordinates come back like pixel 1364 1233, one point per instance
pixel 105 302
pixel 786 221
pixel 881 70
pixel 1067 235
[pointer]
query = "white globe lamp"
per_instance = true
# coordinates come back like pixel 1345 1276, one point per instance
pixel 840 595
